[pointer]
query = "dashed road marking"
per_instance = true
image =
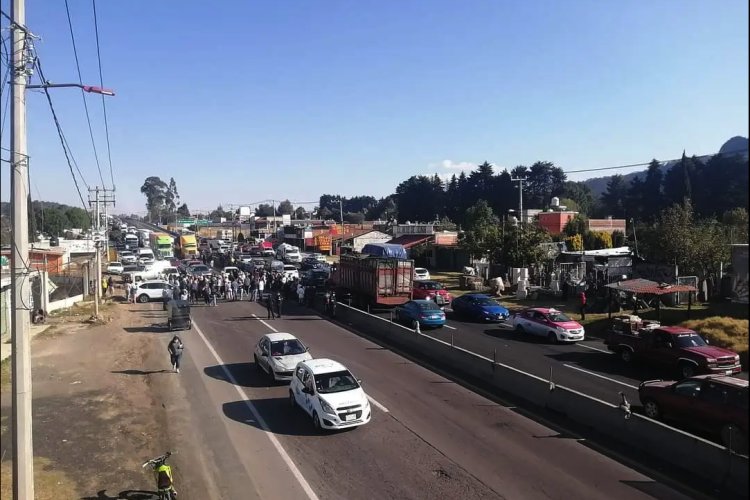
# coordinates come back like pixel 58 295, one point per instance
pixel 595 349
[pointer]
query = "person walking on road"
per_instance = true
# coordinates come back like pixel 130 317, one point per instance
pixel 175 349
pixel 300 294
pixel 261 287
pixel 582 310
pixel 110 287
pixel 269 306
pixel 104 287
pixel 277 299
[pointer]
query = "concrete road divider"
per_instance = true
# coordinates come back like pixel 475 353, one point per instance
pixel 696 456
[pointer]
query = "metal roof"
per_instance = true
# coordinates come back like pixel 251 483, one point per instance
pixel 640 285
pixel 410 240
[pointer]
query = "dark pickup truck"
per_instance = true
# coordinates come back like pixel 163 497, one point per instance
pixel 670 347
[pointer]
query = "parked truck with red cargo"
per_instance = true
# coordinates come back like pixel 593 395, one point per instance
pixel 374 280
pixel 671 347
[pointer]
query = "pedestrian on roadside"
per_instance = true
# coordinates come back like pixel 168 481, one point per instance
pixel 175 349
pixel 277 299
pixel 128 286
pixel 132 292
pixel 582 309
pixel 110 287
pixel 104 287
pixel 261 287
pixel 300 294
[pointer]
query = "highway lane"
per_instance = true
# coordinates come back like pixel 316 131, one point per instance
pixel 437 439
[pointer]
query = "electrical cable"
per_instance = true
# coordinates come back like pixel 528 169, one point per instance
pixel 104 105
pixel 83 94
pixel 63 142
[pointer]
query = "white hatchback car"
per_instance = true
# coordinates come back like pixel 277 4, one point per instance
pixel 330 394
pixel 420 273
pixel 115 268
pixel 277 354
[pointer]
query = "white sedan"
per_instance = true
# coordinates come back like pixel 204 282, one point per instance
pixel 278 353
pixel 291 272
pixel 115 268
pixel 420 273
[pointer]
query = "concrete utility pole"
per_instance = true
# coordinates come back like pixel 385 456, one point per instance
pixel 23 446
pixel 100 196
pixel 520 197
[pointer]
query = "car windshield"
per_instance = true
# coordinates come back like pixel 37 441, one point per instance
pixel 432 285
pixel 288 347
pixel 199 269
pixel 428 306
pixel 485 301
pixel 690 340
pixel 326 383
pixel 558 317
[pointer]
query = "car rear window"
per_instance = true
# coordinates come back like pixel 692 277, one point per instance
pixel 428 306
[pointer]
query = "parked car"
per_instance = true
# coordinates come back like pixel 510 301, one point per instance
pixel 431 290
pixel 420 273
pixel 716 404
pixel 478 307
pixel 115 268
pixel 424 312
pixel 149 290
pixel 330 394
pixel 671 347
pixel 549 323
pixel 277 354
pixel 291 271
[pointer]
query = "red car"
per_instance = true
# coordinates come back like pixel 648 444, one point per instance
pixel 716 404
pixel 428 289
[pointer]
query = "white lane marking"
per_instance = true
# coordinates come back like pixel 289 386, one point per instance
pixel 272 437
pixel 382 408
pixel 601 376
pixel 451 327
pixel 595 349
pixel 267 325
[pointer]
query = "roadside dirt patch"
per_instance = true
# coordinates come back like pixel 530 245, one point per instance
pixel 97 410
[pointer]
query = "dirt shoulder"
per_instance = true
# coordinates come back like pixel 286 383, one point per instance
pixel 101 405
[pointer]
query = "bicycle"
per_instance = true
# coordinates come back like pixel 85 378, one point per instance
pixel 163 475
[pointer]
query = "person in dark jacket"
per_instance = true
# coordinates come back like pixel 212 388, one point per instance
pixel 277 299
pixel 270 305
pixel 175 349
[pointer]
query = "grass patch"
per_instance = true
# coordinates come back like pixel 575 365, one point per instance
pixel 49 484
pixel 721 331
pixel 5 374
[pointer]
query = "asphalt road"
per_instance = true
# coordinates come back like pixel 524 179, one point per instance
pixel 429 437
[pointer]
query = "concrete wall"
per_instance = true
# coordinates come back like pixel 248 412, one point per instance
pixel 64 303
pixel 696 456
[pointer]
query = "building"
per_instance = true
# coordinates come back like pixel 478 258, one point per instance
pixel 554 222
pixel 353 240
pixel 50 260
pixel 608 225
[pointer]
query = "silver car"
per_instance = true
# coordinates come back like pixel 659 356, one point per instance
pixel 277 354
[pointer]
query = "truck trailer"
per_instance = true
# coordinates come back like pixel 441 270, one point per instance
pixel 374 281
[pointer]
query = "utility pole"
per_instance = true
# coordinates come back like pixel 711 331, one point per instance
pixel 23 446
pixel 520 196
pixel 101 196
pixel 341 216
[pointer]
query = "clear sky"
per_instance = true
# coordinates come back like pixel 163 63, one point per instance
pixel 244 101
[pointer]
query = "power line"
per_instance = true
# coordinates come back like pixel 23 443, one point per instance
pixel 60 134
pixel 83 95
pixel 648 162
pixel 104 105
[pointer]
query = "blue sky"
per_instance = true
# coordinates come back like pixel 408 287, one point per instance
pixel 246 101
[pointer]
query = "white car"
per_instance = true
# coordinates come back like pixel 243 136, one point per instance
pixel 277 354
pixel 150 290
pixel 330 394
pixel 230 270
pixel 145 260
pixel 115 268
pixel 420 273
pixel 291 272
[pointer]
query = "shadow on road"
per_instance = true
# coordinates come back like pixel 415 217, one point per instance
pixel 139 372
pixel 276 413
pixel 245 375
pixel 124 495
pixel 153 328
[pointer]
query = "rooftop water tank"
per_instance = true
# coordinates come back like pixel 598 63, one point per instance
pixel 555 201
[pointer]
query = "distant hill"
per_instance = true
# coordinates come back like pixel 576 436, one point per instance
pixel 735 145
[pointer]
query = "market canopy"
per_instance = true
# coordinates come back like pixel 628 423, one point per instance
pixel 649 287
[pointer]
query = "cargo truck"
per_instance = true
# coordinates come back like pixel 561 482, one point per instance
pixel 187 246
pixel 374 281
pixel 162 243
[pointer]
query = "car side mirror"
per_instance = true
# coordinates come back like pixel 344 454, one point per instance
pixel 705 339
pixel 359 381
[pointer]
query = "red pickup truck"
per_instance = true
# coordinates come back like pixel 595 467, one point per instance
pixel 671 347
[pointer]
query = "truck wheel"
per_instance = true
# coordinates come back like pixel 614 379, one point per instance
pixel 687 370
pixel 651 409
pixel 143 298
pixel 626 355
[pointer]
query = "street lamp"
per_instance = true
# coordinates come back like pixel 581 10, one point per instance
pixel 86 88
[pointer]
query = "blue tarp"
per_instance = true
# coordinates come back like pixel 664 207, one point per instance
pixel 385 250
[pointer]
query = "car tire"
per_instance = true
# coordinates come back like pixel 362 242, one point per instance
pixel 626 355
pixel 143 298
pixel 686 370
pixel 292 401
pixel 552 338
pixel 316 422
pixel 651 409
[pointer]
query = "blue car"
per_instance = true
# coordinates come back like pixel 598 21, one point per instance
pixel 425 312
pixel 479 307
